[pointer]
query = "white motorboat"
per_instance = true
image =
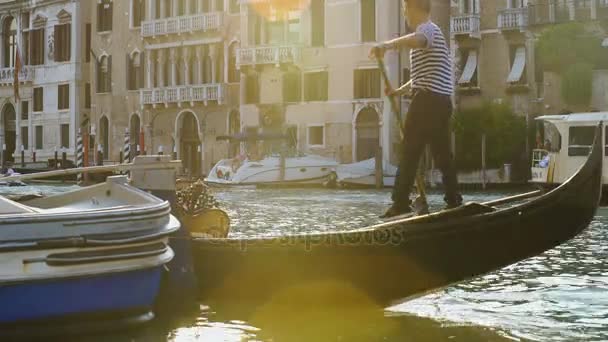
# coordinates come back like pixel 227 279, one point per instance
pixel 97 251
pixel 363 174
pixel 567 142
pixel 308 169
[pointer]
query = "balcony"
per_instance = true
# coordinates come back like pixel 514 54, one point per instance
pixel 202 22
pixel 513 19
pixel 466 25
pixel 268 55
pixel 7 75
pixel 180 94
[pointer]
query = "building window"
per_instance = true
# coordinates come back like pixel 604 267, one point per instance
pixel 234 6
pixel 37 46
pixel 63 42
pixel 219 5
pixel 25 36
pixel 580 140
pixel 367 83
pixel 368 20
pixel 316 135
pixel 25 138
pixel 315 86
pixel 25 110
pixel 252 94
pixel 38 99
pixel 104 16
pixel 87 44
pixel 104 74
pixel 65 135
pixel 39 137
pixel 87 95
pixel 138 11
pixel 317 9
pixel 292 89
pixel 63 96
pixel 468 67
pixel 517 75
pixel 470 7
pixel 135 74
pixel 9 41
pixel 234 75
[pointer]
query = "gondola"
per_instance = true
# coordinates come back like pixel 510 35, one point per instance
pixel 402 259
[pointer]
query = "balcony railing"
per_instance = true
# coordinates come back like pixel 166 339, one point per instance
pixel 513 18
pixel 179 94
pixel 466 24
pixel 185 24
pixel 7 75
pixel 268 55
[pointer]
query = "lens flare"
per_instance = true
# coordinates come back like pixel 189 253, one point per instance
pixel 268 9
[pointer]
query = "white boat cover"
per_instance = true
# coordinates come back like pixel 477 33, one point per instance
pixel 363 169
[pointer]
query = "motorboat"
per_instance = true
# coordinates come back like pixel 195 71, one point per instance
pixel 363 174
pixel 96 252
pixel 401 259
pixel 271 170
pixel 566 143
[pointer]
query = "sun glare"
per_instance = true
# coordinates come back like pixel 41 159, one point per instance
pixel 272 9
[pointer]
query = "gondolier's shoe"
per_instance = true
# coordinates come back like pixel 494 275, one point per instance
pixel 455 203
pixel 396 210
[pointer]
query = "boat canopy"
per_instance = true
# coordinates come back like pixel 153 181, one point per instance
pixel 591 118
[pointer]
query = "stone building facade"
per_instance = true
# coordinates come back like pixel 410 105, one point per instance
pixel 45 116
pixel 493 44
pixel 305 70
pixel 169 80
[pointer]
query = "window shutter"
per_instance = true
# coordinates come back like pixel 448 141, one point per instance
pixel 109 76
pixel 68 42
pixel 98 76
pixel 141 71
pixel 324 86
pixel 129 71
pixel 57 34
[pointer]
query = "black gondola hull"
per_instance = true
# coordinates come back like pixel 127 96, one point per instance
pixel 395 261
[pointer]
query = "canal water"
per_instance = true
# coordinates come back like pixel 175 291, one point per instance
pixel 561 295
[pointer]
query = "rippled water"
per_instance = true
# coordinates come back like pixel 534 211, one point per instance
pixel 561 295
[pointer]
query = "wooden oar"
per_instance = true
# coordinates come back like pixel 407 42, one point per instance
pixel 420 203
pixel 94 169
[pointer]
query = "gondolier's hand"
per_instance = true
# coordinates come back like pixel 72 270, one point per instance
pixel 390 92
pixel 377 52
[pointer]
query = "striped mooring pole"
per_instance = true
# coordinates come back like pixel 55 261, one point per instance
pixel 127 147
pixel 79 155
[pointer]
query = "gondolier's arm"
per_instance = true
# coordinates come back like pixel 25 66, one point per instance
pixel 415 40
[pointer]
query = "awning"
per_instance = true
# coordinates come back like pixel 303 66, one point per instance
pixel 469 68
pixel 517 69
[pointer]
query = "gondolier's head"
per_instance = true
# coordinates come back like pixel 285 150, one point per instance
pixel 416 8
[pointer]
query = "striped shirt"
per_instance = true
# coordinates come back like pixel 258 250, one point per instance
pixel 431 68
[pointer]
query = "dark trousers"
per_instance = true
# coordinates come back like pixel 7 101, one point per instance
pixel 427 122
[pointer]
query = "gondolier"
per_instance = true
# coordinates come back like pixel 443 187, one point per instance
pixel 428 117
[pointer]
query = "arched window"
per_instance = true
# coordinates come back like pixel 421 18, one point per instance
pixel 104 136
pixel 207 70
pixel 9 39
pixel 104 74
pixel 234 76
pixel 135 74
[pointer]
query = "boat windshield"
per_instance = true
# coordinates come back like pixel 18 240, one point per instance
pixel 580 140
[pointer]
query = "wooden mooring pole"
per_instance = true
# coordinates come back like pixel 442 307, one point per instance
pixel 379 170
pixel 483 161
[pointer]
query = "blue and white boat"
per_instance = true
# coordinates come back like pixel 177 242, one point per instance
pixel 98 251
